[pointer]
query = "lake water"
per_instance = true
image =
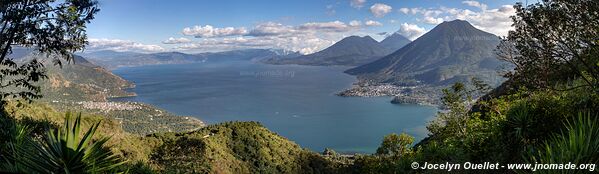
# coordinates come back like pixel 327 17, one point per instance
pixel 297 102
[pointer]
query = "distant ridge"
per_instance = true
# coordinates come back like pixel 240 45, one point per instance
pixel 113 59
pixel 394 42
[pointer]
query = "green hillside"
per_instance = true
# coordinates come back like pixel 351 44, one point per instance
pixel 234 147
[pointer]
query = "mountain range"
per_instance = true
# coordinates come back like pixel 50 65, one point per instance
pixel 350 51
pixel 452 51
pixel 114 59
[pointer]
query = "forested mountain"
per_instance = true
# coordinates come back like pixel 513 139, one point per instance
pixel 450 52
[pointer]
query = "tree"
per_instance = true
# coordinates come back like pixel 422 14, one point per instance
pixel 55 28
pixel 452 122
pixel 554 42
pixel 396 146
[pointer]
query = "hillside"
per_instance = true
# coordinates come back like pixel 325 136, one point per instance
pixel 234 147
pixel 351 51
pixel 79 80
pixel 450 52
pixel 85 87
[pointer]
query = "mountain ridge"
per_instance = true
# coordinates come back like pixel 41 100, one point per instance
pixel 349 51
pixel 449 50
pixel 394 42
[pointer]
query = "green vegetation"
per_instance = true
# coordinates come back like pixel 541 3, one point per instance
pixel 235 147
pixel 545 113
pixel 60 151
pixel 38 118
pixel 572 145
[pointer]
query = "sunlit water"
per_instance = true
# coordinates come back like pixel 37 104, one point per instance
pixel 297 102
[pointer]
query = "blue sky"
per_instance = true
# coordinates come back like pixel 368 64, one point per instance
pixel 303 25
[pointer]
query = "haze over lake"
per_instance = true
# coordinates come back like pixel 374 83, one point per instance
pixel 297 102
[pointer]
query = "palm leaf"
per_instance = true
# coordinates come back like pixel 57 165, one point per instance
pixel 64 151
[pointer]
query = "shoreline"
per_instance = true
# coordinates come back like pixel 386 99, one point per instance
pixel 400 94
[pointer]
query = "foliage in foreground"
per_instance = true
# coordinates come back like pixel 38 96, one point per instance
pixel 577 144
pixel 60 151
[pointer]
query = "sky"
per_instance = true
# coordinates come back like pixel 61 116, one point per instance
pixel 306 26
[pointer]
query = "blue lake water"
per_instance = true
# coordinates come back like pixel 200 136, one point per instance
pixel 297 102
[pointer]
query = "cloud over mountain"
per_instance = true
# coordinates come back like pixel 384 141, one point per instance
pixel 373 23
pixel 120 45
pixel 411 31
pixel 208 31
pixel 306 37
pixel 172 40
pixel 496 21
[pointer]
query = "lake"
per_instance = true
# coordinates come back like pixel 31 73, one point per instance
pixel 297 102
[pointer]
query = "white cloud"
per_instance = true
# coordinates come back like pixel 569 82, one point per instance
pixel 210 31
pixel 432 20
pixel 380 10
pixel 404 10
pixel 475 4
pixel 421 11
pixel 355 23
pixel 121 45
pixel 278 29
pixel 357 3
pixel 373 23
pixel 172 40
pixel 411 31
pixel 335 26
pixel 304 44
pixel 271 29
